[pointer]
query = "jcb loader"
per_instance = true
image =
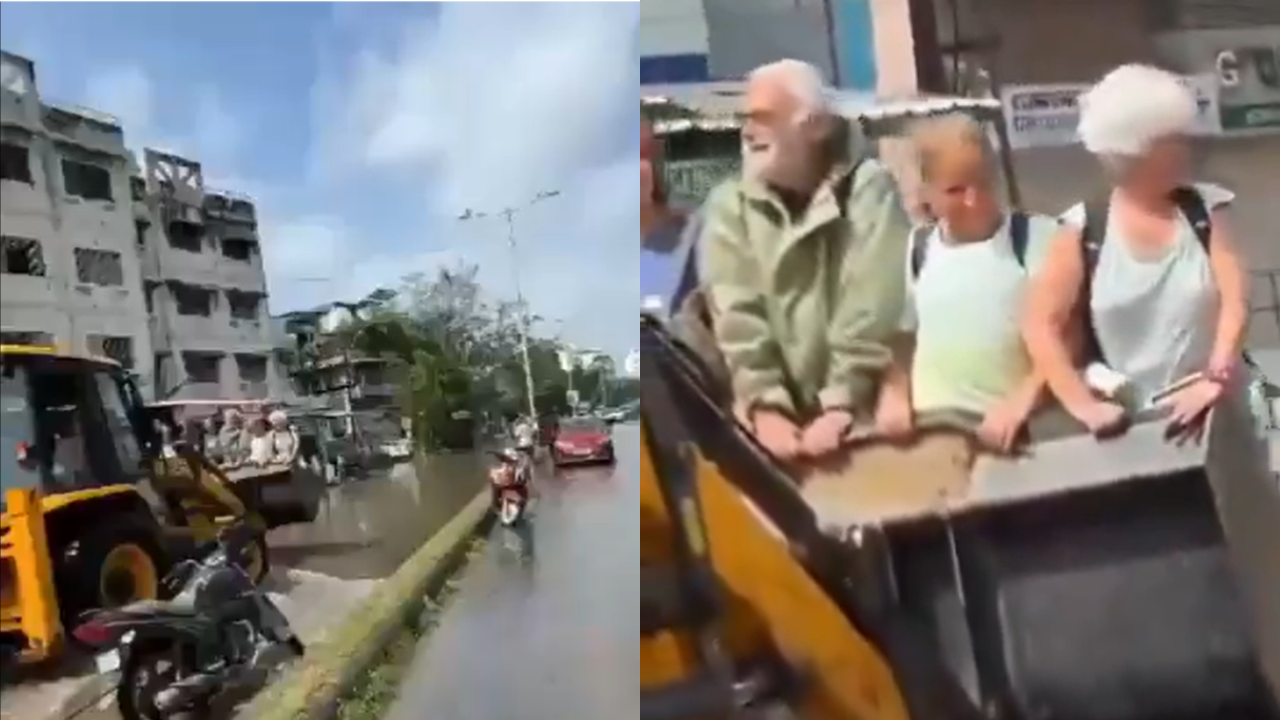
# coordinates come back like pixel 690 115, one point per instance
pixel 1128 579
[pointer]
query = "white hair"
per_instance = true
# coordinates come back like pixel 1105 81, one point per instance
pixel 803 81
pixel 1131 108
pixel 277 417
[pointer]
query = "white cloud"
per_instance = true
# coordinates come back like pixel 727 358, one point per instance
pixel 314 260
pixel 125 92
pixel 483 108
pixel 203 129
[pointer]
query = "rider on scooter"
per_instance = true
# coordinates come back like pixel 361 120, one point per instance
pixel 526 433
pixel 512 471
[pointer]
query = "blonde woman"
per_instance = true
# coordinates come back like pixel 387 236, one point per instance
pixel 1149 267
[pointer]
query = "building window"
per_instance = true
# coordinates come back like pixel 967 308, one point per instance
pixel 140 233
pixel 202 367
pixel 186 236
pixel 99 267
pixel 238 249
pixel 192 300
pixel 114 347
pixel 243 305
pixel 22 256
pixel 137 188
pixel 15 163
pixel 86 180
pixel 253 368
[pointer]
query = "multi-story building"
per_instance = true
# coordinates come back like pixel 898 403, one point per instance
pixel 144 265
pixel 71 274
pixel 205 288
pixel 345 379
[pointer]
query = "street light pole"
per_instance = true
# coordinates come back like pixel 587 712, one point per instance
pixel 523 325
pixel 509 215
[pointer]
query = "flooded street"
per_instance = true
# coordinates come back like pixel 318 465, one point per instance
pixel 366 528
pixel 552 634
pixel 320 572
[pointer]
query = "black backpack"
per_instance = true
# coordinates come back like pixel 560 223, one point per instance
pixel 1017 238
pixel 1094 234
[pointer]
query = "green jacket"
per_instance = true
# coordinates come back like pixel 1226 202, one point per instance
pixel 804 307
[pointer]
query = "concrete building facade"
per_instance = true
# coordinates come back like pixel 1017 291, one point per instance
pixel 205 287
pixel 71 274
pixel 143 265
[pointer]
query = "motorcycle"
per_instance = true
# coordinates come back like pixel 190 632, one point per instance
pixel 510 484
pixel 218 632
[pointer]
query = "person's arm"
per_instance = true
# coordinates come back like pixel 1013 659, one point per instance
pixel 1049 318
pixel 896 386
pixel 730 274
pixel 1029 393
pixel 1232 282
pixel 871 291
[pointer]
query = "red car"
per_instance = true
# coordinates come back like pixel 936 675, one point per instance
pixel 582 440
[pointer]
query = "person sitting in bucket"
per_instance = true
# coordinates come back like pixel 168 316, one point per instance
pixel 801 262
pixel 1149 267
pixel 966 274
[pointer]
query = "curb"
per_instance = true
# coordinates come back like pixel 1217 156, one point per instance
pixel 311 689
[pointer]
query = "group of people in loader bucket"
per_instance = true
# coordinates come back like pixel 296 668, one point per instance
pixel 236 438
pixel 818 306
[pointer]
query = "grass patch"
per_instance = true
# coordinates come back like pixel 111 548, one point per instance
pixel 374 693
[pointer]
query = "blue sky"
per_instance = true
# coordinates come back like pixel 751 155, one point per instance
pixel 363 130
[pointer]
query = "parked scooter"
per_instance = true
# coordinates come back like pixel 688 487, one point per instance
pixel 217 632
pixel 509 481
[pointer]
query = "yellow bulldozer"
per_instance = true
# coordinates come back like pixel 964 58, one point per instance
pixel 1129 579
pixel 94 512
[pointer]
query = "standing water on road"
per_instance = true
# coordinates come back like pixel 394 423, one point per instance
pixel 554 636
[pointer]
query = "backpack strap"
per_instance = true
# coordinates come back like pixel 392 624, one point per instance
pixel 919 249
pixel 1097 213
pixel 1191 205
pixel 1018 222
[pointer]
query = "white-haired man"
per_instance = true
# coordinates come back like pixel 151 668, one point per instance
pixel 802 262
pixel 1149 267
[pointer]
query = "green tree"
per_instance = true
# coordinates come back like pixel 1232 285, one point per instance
pixel 460 351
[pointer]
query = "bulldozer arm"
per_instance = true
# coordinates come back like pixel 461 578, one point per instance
pixel 745 601
pixel 772 610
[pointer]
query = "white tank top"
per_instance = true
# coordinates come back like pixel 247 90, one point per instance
pixel 1155 318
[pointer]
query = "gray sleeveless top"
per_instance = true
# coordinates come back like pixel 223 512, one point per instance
pixel 1155 318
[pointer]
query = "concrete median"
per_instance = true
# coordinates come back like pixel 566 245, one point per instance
pixel 312 689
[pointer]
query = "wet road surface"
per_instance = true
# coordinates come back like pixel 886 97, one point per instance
pixel 366 528
pixel 554 637
pixel 320 571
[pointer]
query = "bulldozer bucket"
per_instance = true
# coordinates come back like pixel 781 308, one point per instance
pixel 1128 579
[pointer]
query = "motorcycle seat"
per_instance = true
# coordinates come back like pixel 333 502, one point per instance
pixel 159 607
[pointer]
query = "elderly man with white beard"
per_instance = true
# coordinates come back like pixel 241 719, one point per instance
pixel 802 260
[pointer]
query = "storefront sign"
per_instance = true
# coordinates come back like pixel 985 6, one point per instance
pixel 1041 115
pixel 1250 79
pixel 1251 117
pixel 1047 115
pixel 1245 63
